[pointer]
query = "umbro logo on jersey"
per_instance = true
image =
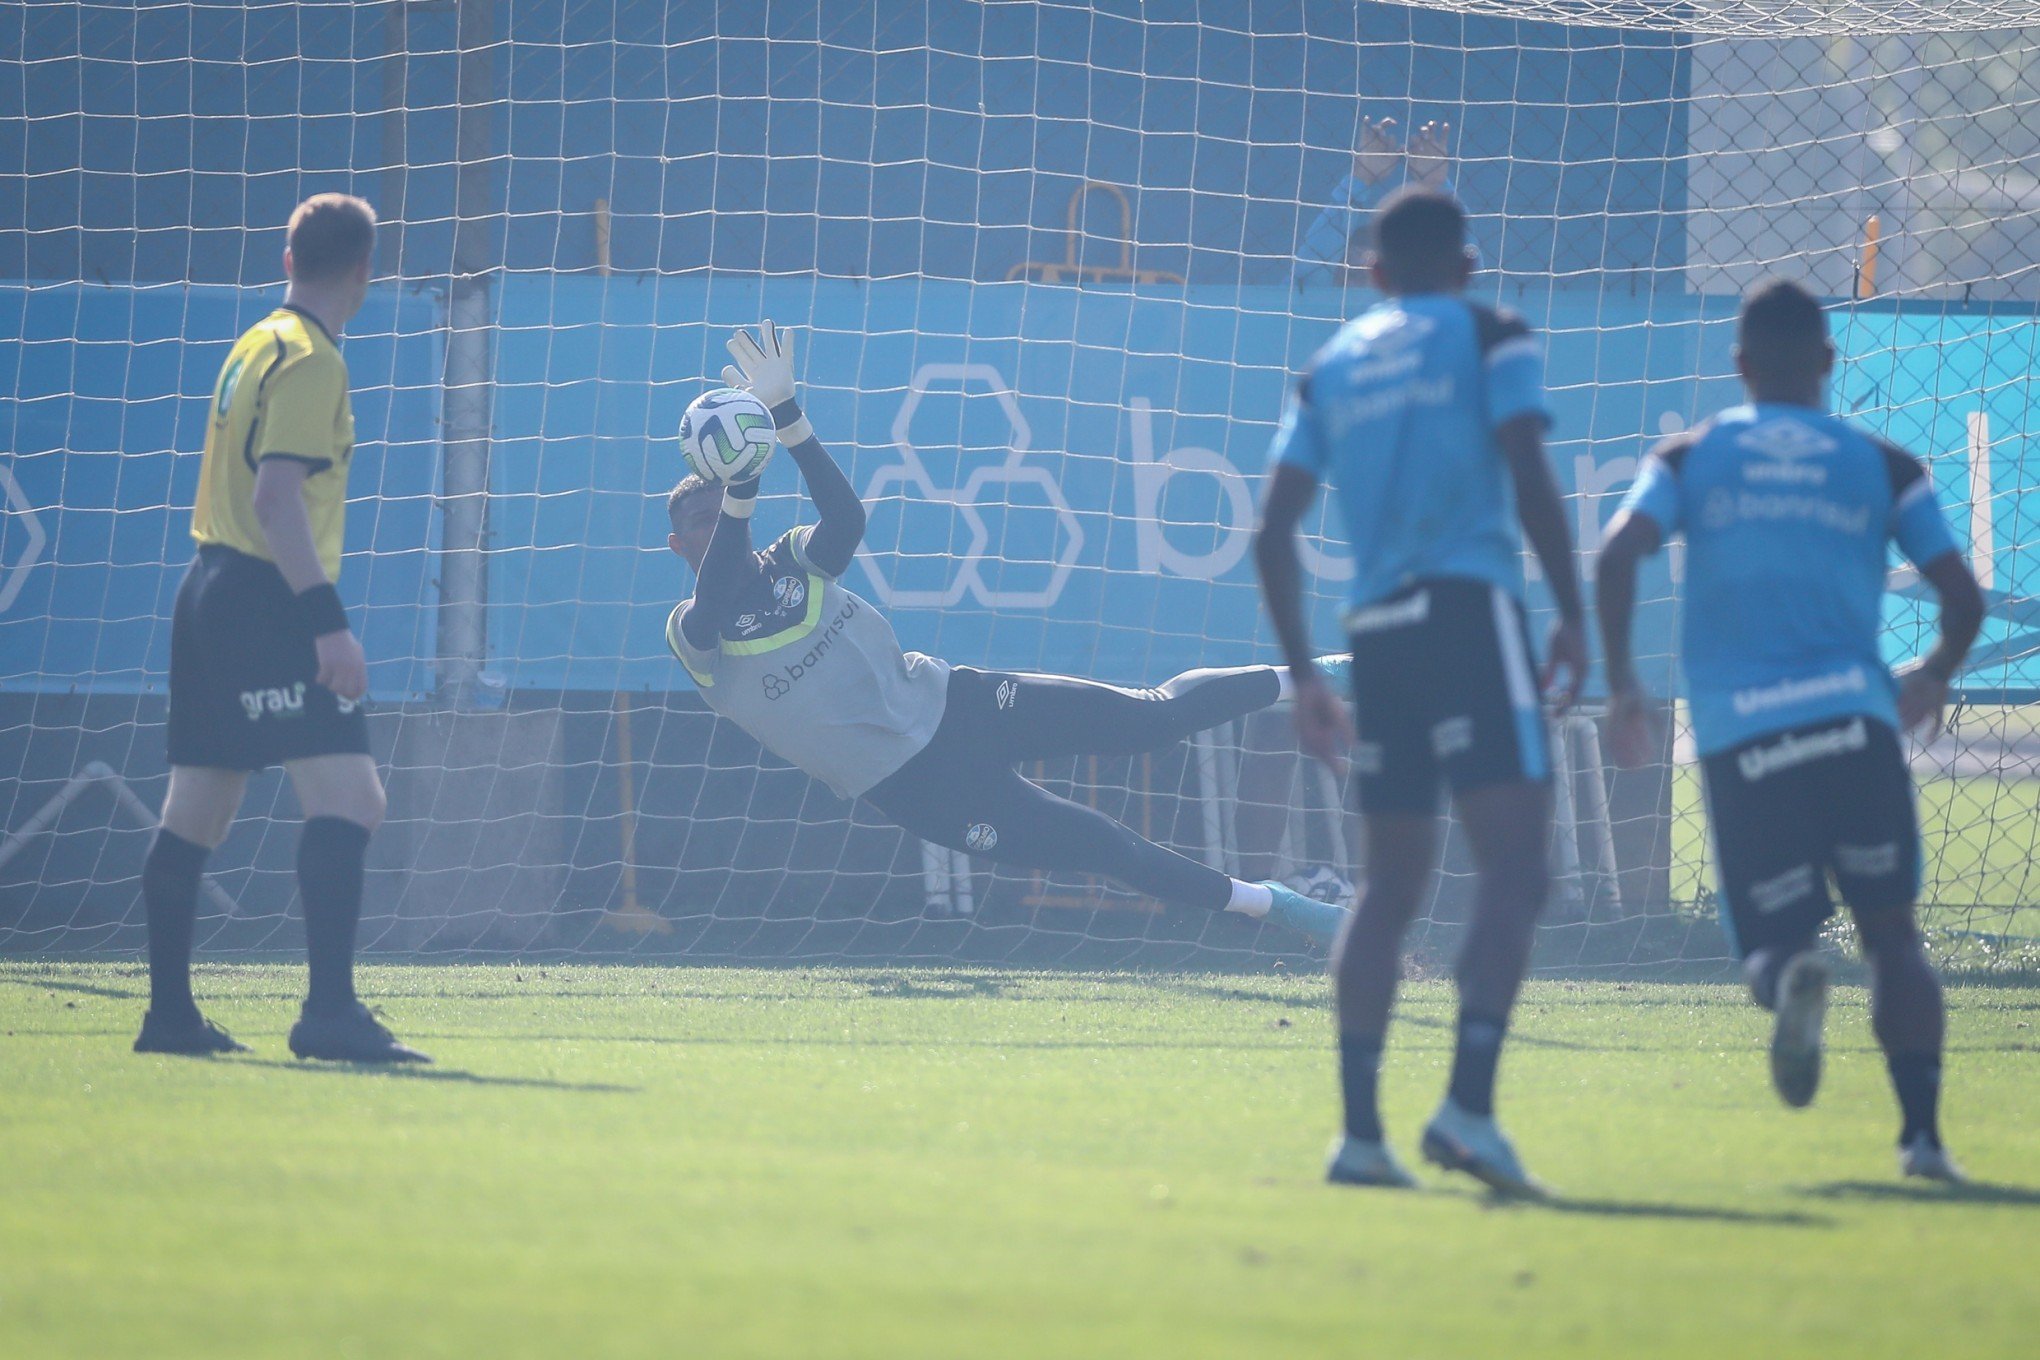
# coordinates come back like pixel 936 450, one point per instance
pixel 790 592
pixel 747 623
pixel 1785 440
pixel 1006 693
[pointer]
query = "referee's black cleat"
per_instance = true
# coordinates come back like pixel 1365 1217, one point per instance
pixel 191 1034
pixel 348 1033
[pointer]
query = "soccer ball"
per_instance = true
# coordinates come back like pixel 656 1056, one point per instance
pixel 726 435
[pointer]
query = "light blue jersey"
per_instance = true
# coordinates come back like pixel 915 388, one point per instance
pixel 1399 412
pixel 1787 513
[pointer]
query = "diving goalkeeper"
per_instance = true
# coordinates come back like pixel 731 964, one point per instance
pixel 814 673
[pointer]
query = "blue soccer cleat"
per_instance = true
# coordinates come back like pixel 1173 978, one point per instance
pixel 1357 1161
pixel 1475 1144
pixel 1319 921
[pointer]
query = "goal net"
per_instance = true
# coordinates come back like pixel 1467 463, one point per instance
pixel 1051 265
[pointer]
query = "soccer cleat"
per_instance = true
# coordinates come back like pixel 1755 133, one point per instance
pixel 1475 1144
pixel 1929 1161
pixel 1322 883
pixel 1319 921
pixel 1359 1161
pixel 1796 1032
pixel 192 1035
pixel 348 1034
pixel 1337 670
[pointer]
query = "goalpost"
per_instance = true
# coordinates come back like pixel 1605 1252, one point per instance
pixel 1052 264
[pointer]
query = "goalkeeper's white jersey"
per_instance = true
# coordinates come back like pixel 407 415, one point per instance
pixel 817 675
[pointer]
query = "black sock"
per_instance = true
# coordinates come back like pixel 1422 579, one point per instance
pixel 330 855
pixel 170 878
pixel 1917 1079
pixel 1359 1076
pixel 1474 1059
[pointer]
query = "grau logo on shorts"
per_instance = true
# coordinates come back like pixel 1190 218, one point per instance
pixel 981 836
pixel 274 702
pixel 1006 693
pixel 790 592
pixel 1756 762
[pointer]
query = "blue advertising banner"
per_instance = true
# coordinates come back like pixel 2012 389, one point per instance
pixel 1059 478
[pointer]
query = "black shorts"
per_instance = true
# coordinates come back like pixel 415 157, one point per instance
pixel 242 668
pixel 1791 809
pixel 1444 693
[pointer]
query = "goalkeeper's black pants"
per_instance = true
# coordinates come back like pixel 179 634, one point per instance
pixel 962 790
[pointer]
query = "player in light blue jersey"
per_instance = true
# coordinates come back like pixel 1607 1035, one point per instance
pixel 1788 514
pixel 1428 414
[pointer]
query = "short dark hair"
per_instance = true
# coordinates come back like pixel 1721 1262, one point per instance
pixel 1420 235
pixel 1782 328
pixel 684 491
pixel 330 236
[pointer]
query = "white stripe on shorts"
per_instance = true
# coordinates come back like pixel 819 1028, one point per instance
pixel 1515 661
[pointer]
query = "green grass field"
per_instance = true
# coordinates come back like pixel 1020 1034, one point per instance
pixel 947 1162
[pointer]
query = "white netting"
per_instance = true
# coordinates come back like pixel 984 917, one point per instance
pixel 1052 264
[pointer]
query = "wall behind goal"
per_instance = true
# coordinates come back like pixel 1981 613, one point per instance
pixel 861 138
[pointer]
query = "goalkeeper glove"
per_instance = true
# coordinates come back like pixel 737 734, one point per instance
pixel 764 365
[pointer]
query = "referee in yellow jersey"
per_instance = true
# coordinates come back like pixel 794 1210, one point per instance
pixel 264 669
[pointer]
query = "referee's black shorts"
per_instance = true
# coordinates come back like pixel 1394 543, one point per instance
pixel 243 694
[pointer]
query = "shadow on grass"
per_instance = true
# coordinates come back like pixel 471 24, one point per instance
pixel 31 982
pixel 1692 1213
pixel 1634 1208
pixel 1976 1192
pixel 455 1075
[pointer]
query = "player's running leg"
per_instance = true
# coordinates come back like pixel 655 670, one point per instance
pixel 1402 853
pixel 991 811
pixel 197 812
pixel 1910 1021
pixel 1508 827
pixel 343 802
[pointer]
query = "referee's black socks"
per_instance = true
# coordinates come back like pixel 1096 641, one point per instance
pixel 170 878
pixel 330 855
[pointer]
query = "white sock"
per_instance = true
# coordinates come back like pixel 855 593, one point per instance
pixel 1285 685
pixel 1250 899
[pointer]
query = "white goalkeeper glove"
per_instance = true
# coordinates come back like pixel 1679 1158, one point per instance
pixel 765 368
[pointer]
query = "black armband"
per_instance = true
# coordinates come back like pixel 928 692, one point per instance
pixel 320 610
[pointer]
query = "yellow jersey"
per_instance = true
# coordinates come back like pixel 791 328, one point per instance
pixel 282 394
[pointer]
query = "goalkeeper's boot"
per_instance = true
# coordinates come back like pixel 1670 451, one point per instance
pixel 1322 883
pixel 1929 1161
pixel 1319 921
pixel 1801 1012
pixel 1361 1161
pixel 1475 1144
pixel 190 1034
pixel 348 1033
pixel 1337 670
